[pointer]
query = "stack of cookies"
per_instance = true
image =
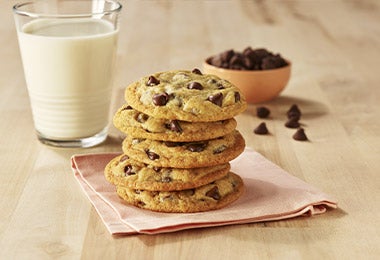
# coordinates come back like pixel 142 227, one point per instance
pixel 180 137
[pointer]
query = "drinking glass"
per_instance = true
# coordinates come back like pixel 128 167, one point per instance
pixel 68 51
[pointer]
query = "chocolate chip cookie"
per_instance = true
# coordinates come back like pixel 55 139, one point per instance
pixel 211 196
pixel 124 171
pixel 186 96
pixel 140 125
pixel 185 154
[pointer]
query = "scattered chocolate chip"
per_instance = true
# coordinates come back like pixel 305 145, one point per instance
pixel 261 129
pixel 213 193
pixel 195 85
pixel 151 155
pixel 300 135
pixel 128 170
pixel 174 126
pixel 292 123
pixel 294 111
pixel 262 112
pixel 196 71
pixel 196 147
pixel 217 99
pixel 152 81
pixel 124 158
pixel 160 99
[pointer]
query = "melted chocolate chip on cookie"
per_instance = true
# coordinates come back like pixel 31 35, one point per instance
pixel 214 193
pixel 196 71
pixel 217 99
pixel 160 99
pixel 128 170
pixel 152 81
pixel 174 126
pixel 151 155
pixel 195 85
pixel 196 147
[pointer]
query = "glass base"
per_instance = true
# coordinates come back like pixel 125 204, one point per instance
pixel 75 143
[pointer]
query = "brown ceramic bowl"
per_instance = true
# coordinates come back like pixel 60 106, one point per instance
pixel 257 85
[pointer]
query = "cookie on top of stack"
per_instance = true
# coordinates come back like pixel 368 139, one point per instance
pixel 180 137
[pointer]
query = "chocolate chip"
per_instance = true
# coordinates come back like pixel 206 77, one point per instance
pixel 128 170
pixel 172 144
pixel 294 111
pixel 160 99
pixel 141 117
pixel 217 99
pixel 227 55
pixel 214 193
pixel 174 126
pixel 237 96
pixel 151 155
pixel 236 60
pixel 272 62
pixel 248 59
pixel 262 112
pixel 292 123
pixel 196 147
pixel 152 81
pixel 156 169
pixel 195 85
pixel 127 108
pixel 300 135
pixel 261 129
pixel 220 86
pixel 196 71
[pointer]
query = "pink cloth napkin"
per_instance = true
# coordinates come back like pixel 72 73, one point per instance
pixel 271 194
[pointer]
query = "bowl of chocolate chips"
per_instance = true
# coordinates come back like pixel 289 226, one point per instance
pixel 259 73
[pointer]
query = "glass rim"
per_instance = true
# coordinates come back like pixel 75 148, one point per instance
pixel 17 9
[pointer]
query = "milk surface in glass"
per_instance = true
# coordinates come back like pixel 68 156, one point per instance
pixel 68 69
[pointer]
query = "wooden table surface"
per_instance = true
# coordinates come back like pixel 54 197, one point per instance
pixel 335 50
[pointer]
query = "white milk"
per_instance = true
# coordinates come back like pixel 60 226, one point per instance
pixel 68 69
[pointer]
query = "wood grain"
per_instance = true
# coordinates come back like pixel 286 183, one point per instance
pixel 335 49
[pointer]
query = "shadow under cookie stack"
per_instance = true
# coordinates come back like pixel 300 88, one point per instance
pixel 180 137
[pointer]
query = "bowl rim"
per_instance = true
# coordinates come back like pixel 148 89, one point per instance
pixel 206 62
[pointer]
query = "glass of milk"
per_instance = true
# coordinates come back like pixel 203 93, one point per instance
pixel 68 50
